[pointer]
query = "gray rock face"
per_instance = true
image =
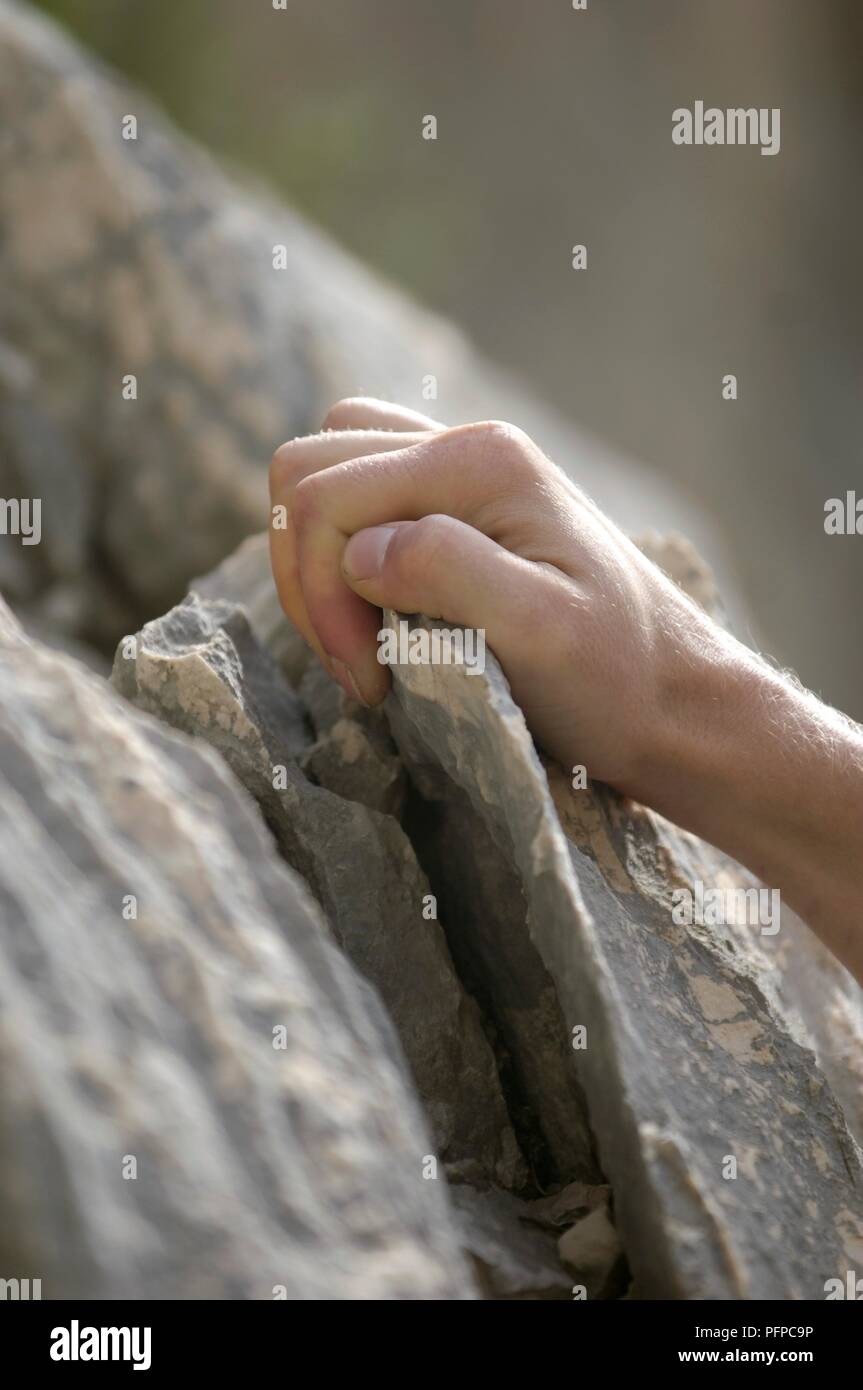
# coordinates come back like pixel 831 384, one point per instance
pixel 512 1258
pixel 562 1246
pixel 201 1094
pixel 245 579
pixel 199 1097
pixel 621 1046
pixel 592 1252
pixel 563 1034
pixel 688 1061
pixel 202 670
pixel 354 755
pixel 484 904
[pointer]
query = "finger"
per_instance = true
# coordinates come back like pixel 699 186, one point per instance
pixel 458 472
pixel 450 571
pixel 312 453
pixel 291 463
pixel 366 413
pixel 286 577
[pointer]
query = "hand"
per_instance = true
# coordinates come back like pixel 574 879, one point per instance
pixel 613 666
pixel 475 526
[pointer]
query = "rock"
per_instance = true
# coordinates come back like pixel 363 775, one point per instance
pixel 245 580
pixel 564 1208
pixel 484 906
pixel 518 1251
pixel 358 765
pixel 554 1012
pixel 512 1258
pixel 820 1002
pixel 592 1252
pixel 36 463
pixel 156 355
pixel 151 357
pixel 201 666
pixel 201 669
pixel 199 1096
pixel 326 703
pixel 536 922
pixel 354 755
pixel 55 635
pixel 688 1059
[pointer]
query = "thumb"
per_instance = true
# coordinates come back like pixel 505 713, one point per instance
pixel 446 569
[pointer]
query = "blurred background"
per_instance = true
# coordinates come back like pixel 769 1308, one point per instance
pixel 554 128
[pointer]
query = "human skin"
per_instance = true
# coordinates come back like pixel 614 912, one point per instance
pixel 613 665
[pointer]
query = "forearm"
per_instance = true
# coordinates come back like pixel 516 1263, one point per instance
pixel 774 778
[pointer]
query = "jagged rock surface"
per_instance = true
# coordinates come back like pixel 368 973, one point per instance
pixel 201 669
pixel 592 1252
pixel 511 1256
pixel 150 1037
pixel 687 1059
pixel 301 1168
pixel 557 910
pixel 354 754
pixel 484 905
pixel 245 579
pixel 480 897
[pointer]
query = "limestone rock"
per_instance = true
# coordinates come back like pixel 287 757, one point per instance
pixel 201 669
pixel 512 1257
pixel 245 580
pixel 137 264
pixel 689 1059
pixel 824 1003
pixel 537 1249
pixel 201 666
pixel 484 906
pixel 199 1097
pixel 592 1252
pixel 354 754
pixel 563 1208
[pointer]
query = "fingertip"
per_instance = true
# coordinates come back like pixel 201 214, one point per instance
pixel 366 681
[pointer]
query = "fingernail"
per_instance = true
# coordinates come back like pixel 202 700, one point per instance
pixel 366 551
pixel 345 677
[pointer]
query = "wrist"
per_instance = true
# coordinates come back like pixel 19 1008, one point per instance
pixel 760 768
pixel 704 712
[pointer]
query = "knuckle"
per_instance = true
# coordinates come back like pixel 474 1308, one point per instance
pixel 276 467
pixel 340 415
pixel 422 545
pixel 500 434
pixel 284 466
pixel 506 449
pixel 306 500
